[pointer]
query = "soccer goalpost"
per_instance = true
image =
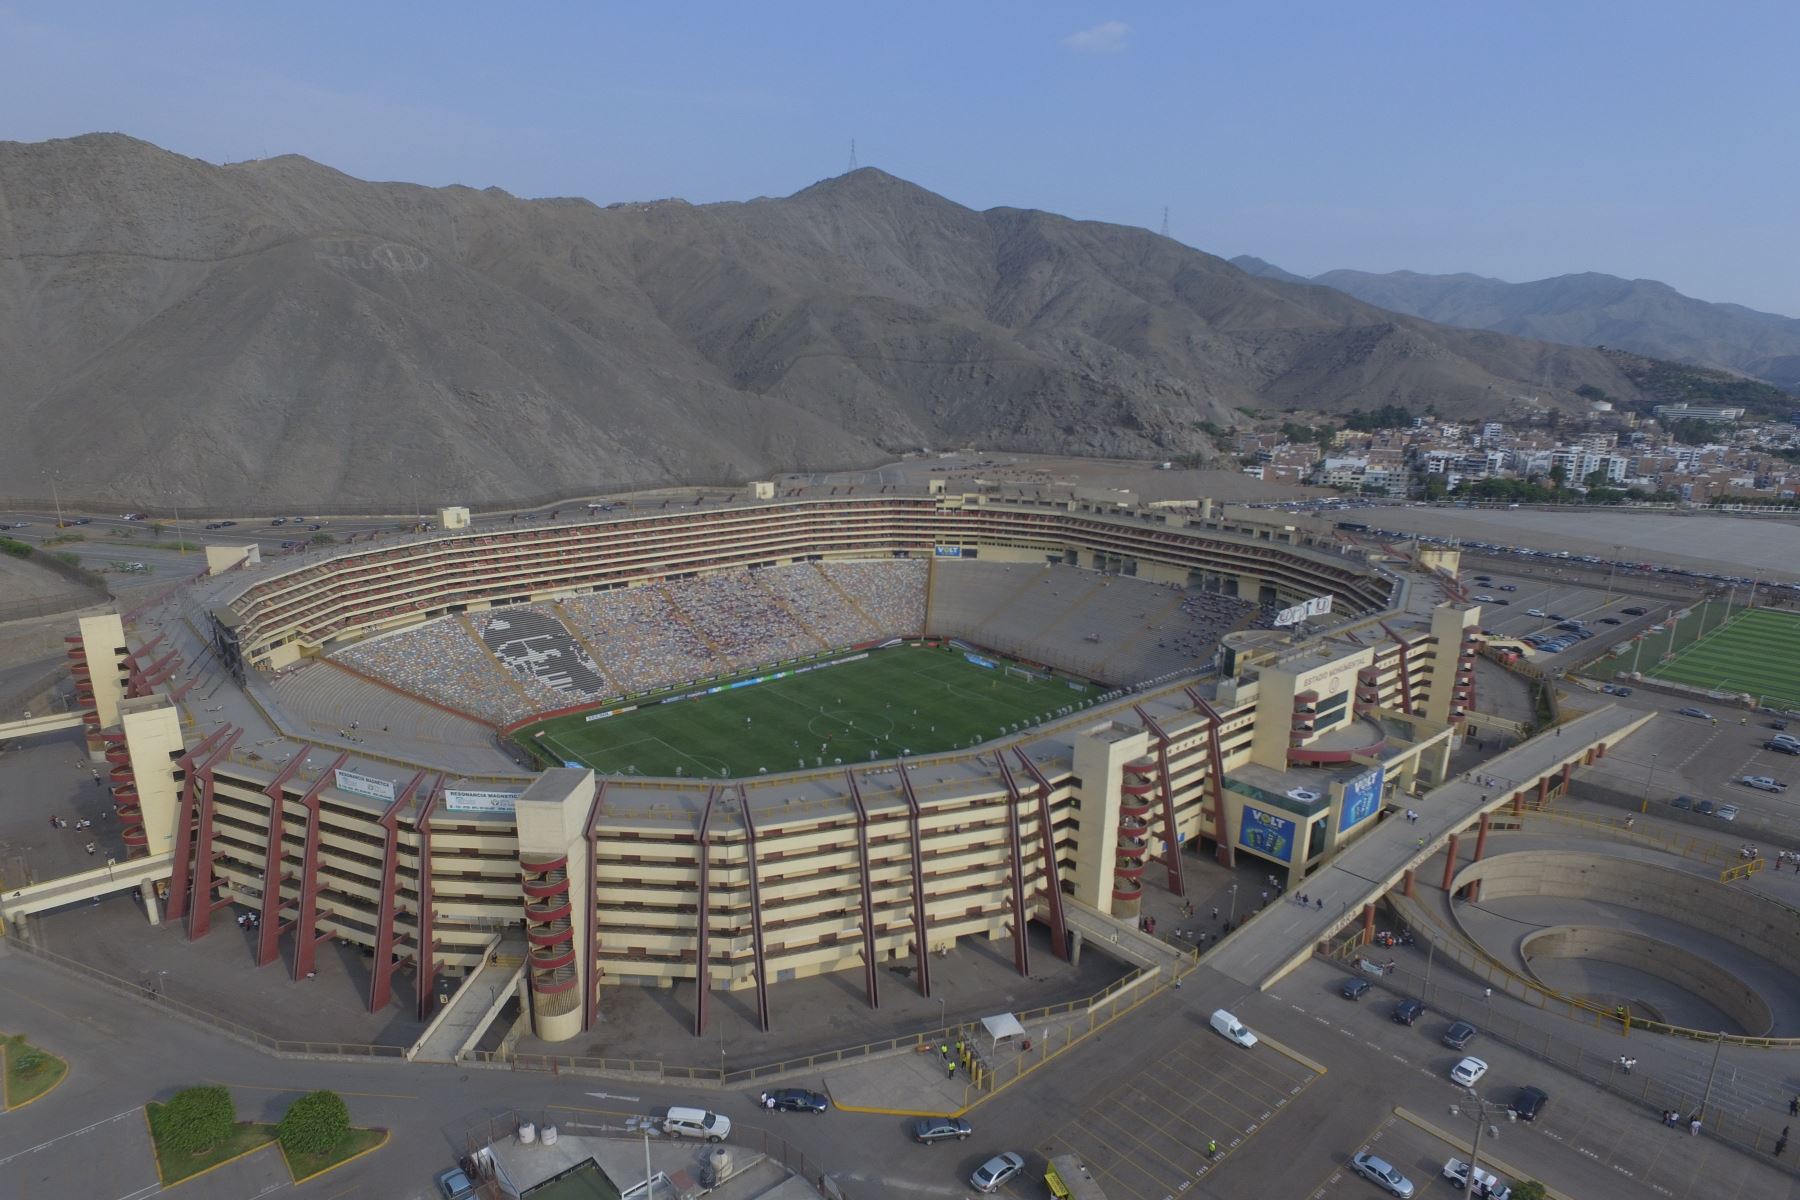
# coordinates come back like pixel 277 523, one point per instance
pixel 1027 676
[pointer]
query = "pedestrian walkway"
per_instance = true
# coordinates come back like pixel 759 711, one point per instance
pixel 476 1003
pixel 1271 944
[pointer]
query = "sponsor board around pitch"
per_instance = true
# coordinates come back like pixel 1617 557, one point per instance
pixel 463 800
pixel 979 661
pixel 1318 606
pixel 363 785
pixel 1267 834
pixel 1362 799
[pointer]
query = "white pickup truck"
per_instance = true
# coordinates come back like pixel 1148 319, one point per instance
pixel 1487 1186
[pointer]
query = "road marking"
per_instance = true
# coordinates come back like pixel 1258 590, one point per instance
pixel 610 1096
pixel 142 1192
pixel 130 1112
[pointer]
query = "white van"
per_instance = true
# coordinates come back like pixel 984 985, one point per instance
pixel 1228 1026
pixel 697 1123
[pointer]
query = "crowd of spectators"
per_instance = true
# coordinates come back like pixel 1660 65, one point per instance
pixel 631 640
pixel 441 660
pixel 1206 617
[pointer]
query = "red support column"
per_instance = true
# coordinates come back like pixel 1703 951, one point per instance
pixel 201 904
pixel 1600 750
pixel 1171 835
pixel 1518 804
pixel 180 873
pixel 702 947
pixel 1543 787
pixel 591 835
pixel 381 975
pixel 1059 931
pixel 1587 759
pixel 425 959
pixel 1215 769
pixel 1481 838
pixel 1368 924
pixel 306 910
pixel 269 924
pixel 756 911
pixel 871 973
pixel 1449 861
pixel 1406 884
pixel 921 945
pixel 1014 813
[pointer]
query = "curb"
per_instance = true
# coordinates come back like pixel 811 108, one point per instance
pixel 1421 1123
pixel 156 1159
pixel 6 1105
pixel 1298 1057
pixel 386 1134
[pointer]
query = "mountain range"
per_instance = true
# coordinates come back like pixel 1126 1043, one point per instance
pixel 278 333
pixel 1640 315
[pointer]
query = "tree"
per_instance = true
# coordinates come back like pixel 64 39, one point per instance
pixel 1595 478
pixel 1558 474
pixel 322 539
pixel 1529 1189
pixel 197 1119
pixel 316 1123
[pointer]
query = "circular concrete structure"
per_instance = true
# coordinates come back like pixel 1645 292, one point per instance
pixel 1615 929
pixel 1635 954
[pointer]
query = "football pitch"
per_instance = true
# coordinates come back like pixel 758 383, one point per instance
pixel 911 699
pixel 1757 651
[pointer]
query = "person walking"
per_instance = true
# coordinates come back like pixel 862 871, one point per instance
pixel 1212 1147
pixel 1794 1107
pixel 1694 1125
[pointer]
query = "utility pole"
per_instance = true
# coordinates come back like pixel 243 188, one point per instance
pixel 1706 1102
pixel 56 498
pixel 1482 1110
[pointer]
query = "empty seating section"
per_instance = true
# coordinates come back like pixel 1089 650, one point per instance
pixel 1109 627
pixel 340 707
pixel 508 663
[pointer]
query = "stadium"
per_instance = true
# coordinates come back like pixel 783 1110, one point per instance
pixel 725 745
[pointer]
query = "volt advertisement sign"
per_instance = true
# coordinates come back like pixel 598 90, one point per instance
pixel 1267 834
pixel 1362 799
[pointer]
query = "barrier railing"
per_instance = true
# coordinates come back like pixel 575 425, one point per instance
pixel 1624 828
pixel 1742 871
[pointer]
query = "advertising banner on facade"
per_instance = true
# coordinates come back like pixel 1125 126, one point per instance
pixel 459 800
pixel 947 551
pixel 1318 606
pixel 1362 799
pixel 1267 834
pixel 362 785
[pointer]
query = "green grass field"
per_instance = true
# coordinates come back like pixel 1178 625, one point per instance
pixel 1756 651
pixel 910 698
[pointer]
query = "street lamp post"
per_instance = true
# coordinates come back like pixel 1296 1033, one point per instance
pixel 1481 1110
pixel 55 498
pixel 1232 919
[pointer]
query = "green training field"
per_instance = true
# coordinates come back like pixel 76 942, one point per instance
pixel 904 698
pixel 1757 651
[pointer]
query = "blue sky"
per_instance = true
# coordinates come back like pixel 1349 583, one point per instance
pixel 1520 140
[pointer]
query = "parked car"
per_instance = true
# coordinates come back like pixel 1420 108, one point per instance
pixel 1529 1103
pixel 1705 808
pixel 1778 723
pixel 1763 783
pixel 1382 1173
pixel 1484 599
pixel 1782 747
pixel 1609 620
pixel 1690 711
pixel 1727 812
pixel 1467 1072
pixel 1227 1026
pixel 1634 612
pixel 1355 989
pixel 992 1174
pixel 1408 1011
pixel 697 1123
pixel 279 521
pixel 941 1129
pixel 214 525
pixel 1487 1184
pixel 454 1184
pixel 226 524
pixel 1509 587
pixel 1459 1035
pixel 1536 612
pixel 796 1100
pixel 1685 803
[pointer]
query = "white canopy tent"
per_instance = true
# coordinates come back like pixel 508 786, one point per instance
pixel 1000 1028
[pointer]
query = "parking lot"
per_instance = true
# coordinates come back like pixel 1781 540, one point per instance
pixel 1146 1136
pixel 1509 614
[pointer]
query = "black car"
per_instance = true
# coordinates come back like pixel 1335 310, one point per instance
pixel 1529 1103
pixel 84 521
pixel 1408 1011
pixel 1706 808
pixel 226 524
pixel 1459 1035
pixel 1354 989
pixel 796 1100
pixel 1683 802
pixel 1634 612
pixel 1778 724
pixel 1609 620
pixel 1782 747
pixel 941 1129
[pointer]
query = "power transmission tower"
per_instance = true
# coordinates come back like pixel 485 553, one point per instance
pixel 852 165
pixel 1165 225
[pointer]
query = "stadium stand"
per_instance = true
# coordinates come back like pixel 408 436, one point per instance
pixel 443 660
pixel 531 641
